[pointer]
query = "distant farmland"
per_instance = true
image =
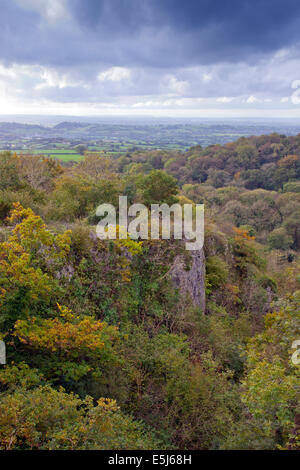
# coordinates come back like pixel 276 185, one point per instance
pixel 60 154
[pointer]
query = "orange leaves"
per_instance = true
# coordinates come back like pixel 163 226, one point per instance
pixel 289 161
pixel 68 333
pixel 242 234
pixel 56 335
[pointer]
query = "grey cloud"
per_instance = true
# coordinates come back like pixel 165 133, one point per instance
pixel 169 46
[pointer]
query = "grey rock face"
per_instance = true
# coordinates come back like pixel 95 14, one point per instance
pixel 191 279
pixel 2 353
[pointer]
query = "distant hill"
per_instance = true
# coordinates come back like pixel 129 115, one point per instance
pixel 153 134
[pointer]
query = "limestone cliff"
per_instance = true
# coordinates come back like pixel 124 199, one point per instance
pixel 190 278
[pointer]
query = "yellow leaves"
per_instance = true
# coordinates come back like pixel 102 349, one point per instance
pixel 108 404
pixel 18 256
pixel 123 240
pixel 18 213
pixel 15 270
pixel 63 242
pixel 271 318
pixel 125 247
pixel 30 230
pixel 66 313
pixel 31 233
pixel 69 333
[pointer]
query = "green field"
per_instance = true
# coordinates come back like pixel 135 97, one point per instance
pixel 61 154
pixel 67 155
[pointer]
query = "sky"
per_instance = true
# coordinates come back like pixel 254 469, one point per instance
pixel 189 58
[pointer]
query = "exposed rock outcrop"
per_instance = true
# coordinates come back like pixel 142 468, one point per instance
pixel 190 279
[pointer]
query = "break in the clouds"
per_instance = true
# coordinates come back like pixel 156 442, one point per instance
pixel 196 57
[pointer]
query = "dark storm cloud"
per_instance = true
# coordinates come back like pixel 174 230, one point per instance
pixel 149 54
pixel 157 33
pixel 210 29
